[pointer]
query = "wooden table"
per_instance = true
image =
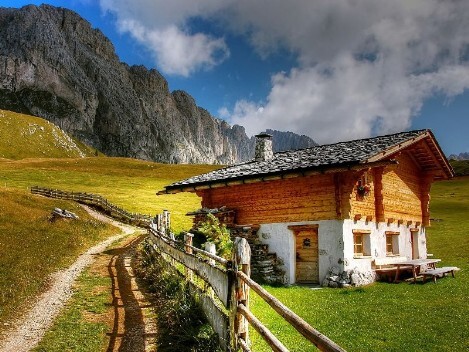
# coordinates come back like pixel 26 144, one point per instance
pixel 414 265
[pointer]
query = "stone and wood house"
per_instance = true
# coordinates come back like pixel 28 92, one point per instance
pixel 340 208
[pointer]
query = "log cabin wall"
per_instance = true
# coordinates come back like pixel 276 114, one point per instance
pixel 362 206
pixel 309 198
pixel 402 191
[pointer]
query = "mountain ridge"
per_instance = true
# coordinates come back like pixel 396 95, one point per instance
pixel 460 156
pixel 54 65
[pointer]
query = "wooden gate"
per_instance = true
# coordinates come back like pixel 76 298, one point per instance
pixel 307 259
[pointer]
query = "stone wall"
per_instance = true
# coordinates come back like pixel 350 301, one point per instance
pixel 265 265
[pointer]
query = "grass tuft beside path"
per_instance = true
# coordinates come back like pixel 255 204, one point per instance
pixel 31 247
pixel 72 331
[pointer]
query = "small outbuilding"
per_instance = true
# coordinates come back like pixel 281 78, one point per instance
pixel 332 209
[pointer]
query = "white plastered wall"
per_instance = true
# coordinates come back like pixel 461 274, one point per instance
pixel 281 240
pixel 377 243
pixel 335 244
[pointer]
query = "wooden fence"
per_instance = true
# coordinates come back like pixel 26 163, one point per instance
pixel 96 201
pixel 223 286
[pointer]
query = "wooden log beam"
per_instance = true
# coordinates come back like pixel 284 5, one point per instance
pixel 338 194
pixel 265 333
pixel 378 192
pixel 425 197
pixel 322 342
pixel 214 276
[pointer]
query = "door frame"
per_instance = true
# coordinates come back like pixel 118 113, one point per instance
pixel 296 229
pixel 414 241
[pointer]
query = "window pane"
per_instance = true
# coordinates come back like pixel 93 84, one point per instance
pixel 358 243
pixel 389 249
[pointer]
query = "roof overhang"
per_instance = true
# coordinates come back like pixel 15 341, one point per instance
pixel 275 176
pixel 426 152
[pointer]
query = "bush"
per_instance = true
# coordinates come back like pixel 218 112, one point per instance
pixel 218 234
pixel 181 322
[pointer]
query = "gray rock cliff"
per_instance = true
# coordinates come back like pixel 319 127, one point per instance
pixel 53 64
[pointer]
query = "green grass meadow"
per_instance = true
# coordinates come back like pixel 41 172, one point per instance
pixel 131 184
pixel 379 317
pixel 24 136
pixel 32 247
pixel 391 317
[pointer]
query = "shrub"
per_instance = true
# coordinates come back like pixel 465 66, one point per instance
pixel 218 234
pixel 181 322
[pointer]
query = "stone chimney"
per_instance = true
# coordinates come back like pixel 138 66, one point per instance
pixel 264 147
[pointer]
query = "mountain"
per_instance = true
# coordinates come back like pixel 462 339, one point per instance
pixel 53 64
pixel 460 156
pixel 23 136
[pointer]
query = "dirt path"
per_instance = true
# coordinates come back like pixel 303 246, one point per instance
pixel 129 327
pixel 131 321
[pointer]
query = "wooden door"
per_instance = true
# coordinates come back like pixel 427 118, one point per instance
pixel 307 268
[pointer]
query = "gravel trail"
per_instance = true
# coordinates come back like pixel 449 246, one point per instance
pixel 29 329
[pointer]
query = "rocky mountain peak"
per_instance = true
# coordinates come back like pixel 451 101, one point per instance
pixel 54 65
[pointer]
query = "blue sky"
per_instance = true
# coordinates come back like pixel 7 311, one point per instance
pixel 334 70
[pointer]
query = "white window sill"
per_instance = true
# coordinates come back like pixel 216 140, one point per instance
pixel 362 257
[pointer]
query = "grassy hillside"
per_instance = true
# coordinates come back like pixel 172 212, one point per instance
pixel 32 247
pixel 23 136
pixel 130 184
pixel 461 167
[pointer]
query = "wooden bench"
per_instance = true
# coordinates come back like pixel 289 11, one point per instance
pixel 438 272
pixel 386 267
pixel 386 262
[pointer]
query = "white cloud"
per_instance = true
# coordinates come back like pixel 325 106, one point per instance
pixel 364 66
pixel 224 113
pixel 161 27
pixel 177 52
pixel 351 100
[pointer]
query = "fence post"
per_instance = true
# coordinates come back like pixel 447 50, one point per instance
pixel 163 223
pixel 167 221
pixel 241 258
pixel 188 242
pixel 210 247
pixel 158 222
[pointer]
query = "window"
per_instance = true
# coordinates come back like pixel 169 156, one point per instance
pixel 361 243
pixel 358 244
pixel 389 245
pixel 392 243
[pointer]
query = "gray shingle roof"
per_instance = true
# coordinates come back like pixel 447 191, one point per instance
pixel 340 154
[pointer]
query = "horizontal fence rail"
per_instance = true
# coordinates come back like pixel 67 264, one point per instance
pixel 228 282
pixel 96 201
pixel 319 340
pixel 214 295
pixel 212 275
pixel 221 286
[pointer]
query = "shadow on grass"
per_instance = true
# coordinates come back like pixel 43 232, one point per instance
pixel 128 331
